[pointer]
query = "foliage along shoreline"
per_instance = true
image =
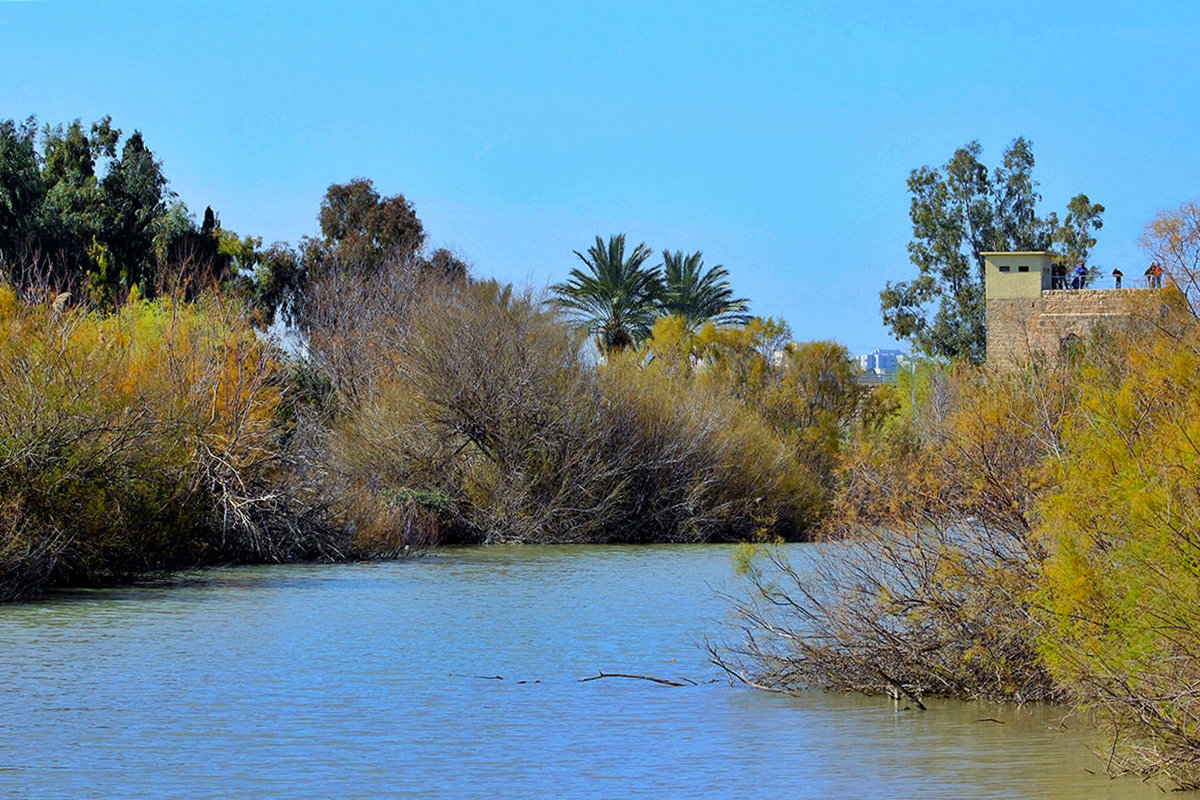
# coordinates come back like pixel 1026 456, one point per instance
pixel 1020 535
pixel 151 425
pixel 1024 534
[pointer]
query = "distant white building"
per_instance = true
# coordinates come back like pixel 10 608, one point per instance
pixel 882 363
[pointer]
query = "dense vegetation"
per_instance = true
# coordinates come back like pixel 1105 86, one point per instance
pixel 149 424
pixel 1021 534
pixel 150 438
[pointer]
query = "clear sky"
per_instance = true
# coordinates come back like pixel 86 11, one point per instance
pixel 774 137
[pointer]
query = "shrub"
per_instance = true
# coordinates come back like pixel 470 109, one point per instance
pixel 1120 600
pixel 137 441
pixel 483 398
pixel 923 579
pixel 1027 534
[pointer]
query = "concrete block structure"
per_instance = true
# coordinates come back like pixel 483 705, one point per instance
pixel 1029 319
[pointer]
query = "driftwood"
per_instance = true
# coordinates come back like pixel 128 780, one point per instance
pixel 663 681
pixel 480 677
pixel 597 676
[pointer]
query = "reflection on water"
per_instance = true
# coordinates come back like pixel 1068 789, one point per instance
pixel 380 680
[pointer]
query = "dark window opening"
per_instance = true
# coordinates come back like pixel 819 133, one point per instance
pixel 1023 269
pixel 1005 269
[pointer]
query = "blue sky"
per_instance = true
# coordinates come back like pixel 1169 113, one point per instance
pixel 775 137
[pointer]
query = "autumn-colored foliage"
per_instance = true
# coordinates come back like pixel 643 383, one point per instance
pixel 1024 534
pixel 928 555
pixel 136 441
pixel 469 411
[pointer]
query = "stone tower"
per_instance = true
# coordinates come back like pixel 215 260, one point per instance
pixel 1029 318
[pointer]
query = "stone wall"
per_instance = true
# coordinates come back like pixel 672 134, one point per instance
pixel 1024 329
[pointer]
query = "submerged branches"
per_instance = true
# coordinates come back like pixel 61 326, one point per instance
pixel 916 610
pixel 1025 535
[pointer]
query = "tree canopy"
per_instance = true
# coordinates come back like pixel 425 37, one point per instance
pixel 958 212
pixel 81 210
pixel 363 235
pixel 700 295
pixel 618 298
pixel 361 228
pixel 615 297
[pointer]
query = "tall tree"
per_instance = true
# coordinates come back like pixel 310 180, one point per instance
pixel 700 295
pixel 958 212
pixel 75 216
pixel 1073 238
pixel 72 216
pixel 21 186
pixel 135 195
pixel 615 297
pixel 361 229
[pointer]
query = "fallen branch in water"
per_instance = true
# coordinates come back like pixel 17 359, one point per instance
pixel 480 677
pixel 663 681
pixel 901 687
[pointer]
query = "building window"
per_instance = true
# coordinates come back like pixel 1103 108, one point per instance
pixel 1005 269
pixel 1023 269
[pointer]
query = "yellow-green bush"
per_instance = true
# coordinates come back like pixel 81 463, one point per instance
pixel 1120 599
pixel 132 442
pixel 721 452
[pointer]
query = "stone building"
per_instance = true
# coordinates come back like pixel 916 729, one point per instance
pixel 1028 318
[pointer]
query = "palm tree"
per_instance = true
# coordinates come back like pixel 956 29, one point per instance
pixel 699 295
pixel 615 298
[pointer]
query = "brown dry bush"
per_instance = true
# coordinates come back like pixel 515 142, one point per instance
pixel 924 579
pixel 481 413
pixel 484 415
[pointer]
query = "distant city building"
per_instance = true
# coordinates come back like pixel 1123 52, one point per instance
pixel 882 363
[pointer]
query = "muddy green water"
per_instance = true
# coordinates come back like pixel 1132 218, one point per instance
pixel 457 676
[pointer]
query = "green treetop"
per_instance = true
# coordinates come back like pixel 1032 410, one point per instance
pixel 959 212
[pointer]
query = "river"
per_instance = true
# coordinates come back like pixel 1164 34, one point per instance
pixel 458 676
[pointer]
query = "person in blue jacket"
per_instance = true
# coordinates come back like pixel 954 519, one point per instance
pixel 1080 281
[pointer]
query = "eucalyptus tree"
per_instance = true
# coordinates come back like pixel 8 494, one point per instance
pixel 615 297
pixel 361 229
pixel 958 212
pixel 21 186
pixel 699 295
pixel 1073 239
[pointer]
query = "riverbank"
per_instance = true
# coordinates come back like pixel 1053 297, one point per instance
pixel 426 408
